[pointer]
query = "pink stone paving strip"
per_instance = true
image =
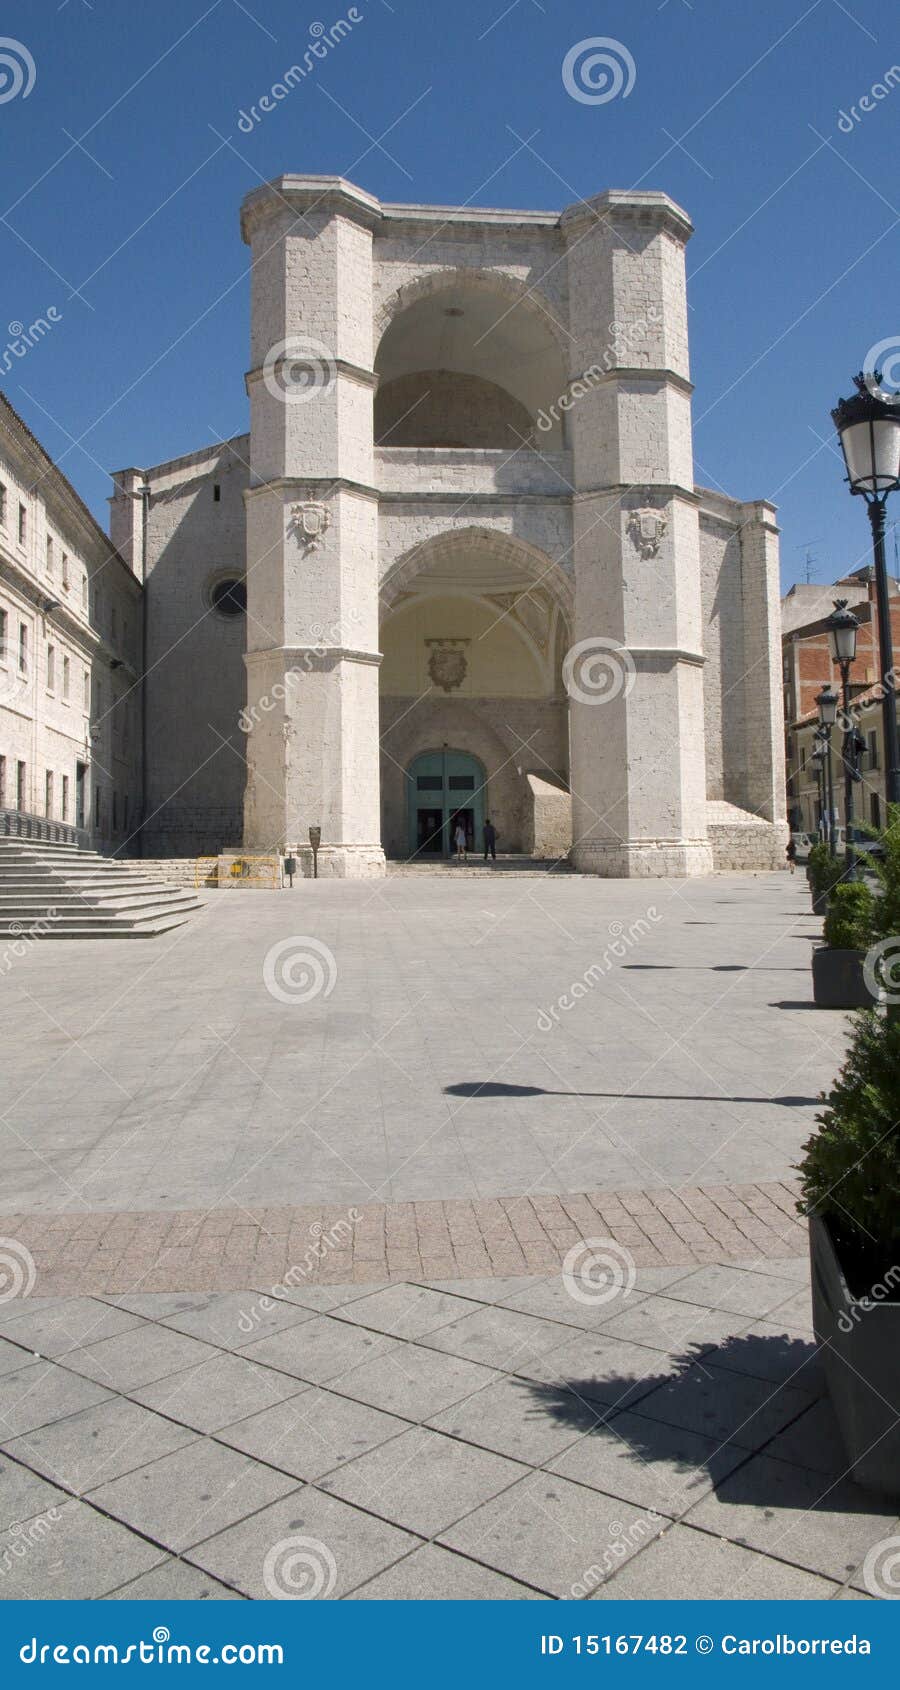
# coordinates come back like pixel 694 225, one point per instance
pixel 237 1248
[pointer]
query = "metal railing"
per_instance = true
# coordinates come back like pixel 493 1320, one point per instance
pixel 19 824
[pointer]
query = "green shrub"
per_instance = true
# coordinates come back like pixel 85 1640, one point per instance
pixel 824 870
pixel 848 924
pixel 850 1173
pixel 886 914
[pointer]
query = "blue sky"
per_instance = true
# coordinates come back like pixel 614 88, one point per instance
pixel 124 169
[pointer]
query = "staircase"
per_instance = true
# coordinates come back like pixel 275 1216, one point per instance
pixel 52 890
pixel 476 868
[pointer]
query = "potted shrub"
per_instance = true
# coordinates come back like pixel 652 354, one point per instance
pixel 824 872
pixel 850 1179
pixel 838 966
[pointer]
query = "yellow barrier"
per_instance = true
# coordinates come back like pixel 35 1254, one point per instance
pixel 243 871
pixel 206 871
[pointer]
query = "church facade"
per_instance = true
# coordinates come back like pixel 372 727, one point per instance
pixel 459 567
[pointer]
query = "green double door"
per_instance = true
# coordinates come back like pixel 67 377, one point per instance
pixel 444 788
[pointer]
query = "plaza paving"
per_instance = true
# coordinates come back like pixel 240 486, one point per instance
pixel 296 1252
pixel 439 1065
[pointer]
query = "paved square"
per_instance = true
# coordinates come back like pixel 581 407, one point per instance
pixel 297 1265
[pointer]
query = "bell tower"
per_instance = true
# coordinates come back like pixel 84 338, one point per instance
pixel 312 526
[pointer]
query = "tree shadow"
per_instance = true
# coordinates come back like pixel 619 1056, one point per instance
pixel 715 968
pixel 738 1396
pixel 502 1088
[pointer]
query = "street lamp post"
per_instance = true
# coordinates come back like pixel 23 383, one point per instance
pixel 828 707
pixel 818 757
pixel 868 426
pixel 843 627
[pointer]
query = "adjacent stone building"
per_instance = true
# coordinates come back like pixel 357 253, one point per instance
pixel 459 567
pixel 70 656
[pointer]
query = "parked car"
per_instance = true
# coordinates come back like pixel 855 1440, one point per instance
pixel 803 843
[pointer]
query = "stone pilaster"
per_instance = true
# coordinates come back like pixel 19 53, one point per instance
pixel 312 520
pixel 635 675
pixel 762 787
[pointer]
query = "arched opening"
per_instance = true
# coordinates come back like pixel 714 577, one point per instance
pixel 471 361
pixel 474 631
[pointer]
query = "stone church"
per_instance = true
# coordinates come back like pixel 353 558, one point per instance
pixel 459 568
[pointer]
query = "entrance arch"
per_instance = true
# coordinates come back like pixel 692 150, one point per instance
pixel 443 787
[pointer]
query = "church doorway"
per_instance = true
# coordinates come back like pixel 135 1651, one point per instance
pixel 444 788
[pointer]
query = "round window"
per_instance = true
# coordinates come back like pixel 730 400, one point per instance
pixel 229 597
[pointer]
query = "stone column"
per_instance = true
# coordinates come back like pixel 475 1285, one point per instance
pixel 312 520
pixel 634 674
pixel 761 697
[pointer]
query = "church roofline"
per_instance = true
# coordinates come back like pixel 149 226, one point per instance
pixel 184 459
pixel 303 194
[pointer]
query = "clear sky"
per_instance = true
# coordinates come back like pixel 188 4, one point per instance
pixel 124 168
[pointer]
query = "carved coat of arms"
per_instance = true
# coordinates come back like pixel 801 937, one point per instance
pixel 448 663
pixel 647 529
pixel 310 522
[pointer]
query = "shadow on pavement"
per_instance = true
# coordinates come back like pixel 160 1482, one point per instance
pixel 500 1088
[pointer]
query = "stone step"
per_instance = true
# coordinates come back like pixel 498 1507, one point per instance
pixel 90 896
pixel 151 929
pixel 64 901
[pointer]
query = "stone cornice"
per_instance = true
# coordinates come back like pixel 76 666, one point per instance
pixel 658 373
pixel 355 372
pixel 472 496
pixel 637 490
pixel 312 657
pixel 321 485
pixel 650 654
pixel 303 195
pixel 650 210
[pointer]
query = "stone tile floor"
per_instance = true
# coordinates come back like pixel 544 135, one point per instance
pixel 581 1035
pixel 493 1438
pixel 494 1081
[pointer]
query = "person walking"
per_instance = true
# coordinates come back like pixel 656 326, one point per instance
pixel 490 841
pixel 790 852
pixel 459 840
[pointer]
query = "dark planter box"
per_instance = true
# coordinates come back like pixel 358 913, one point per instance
pixel 838 979
pixel 820 903
pixel 860 1352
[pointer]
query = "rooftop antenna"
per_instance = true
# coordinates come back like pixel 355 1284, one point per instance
pixel 807 545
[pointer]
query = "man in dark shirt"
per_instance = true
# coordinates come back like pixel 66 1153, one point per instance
pixel 490 841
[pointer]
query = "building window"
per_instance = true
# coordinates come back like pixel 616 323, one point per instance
pixel 65 798
pixel 217 492
pixel 873 749
pixel 2 505
pixel 51 668
pixel 4 625
pixel 86 690
pixel 2 783
pixel 65 678
pixel 20 786
pixel 229 597
pixel 49 555
pixel 48 795
pixel 23 648
pixel 23 525
pixel 84 594
pixel 64 571
pixel 876 810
